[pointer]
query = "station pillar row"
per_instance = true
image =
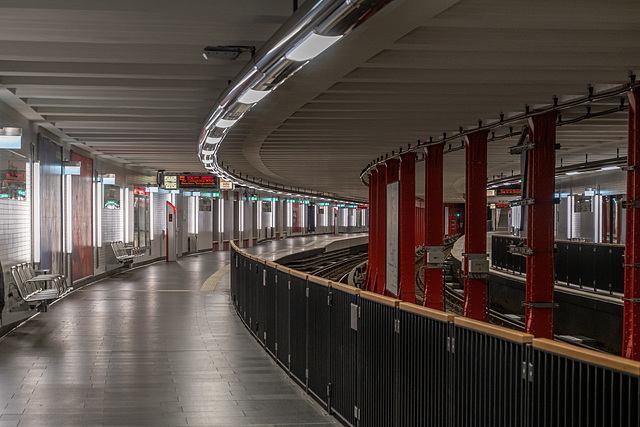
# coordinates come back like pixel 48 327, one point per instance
pixel 475 245
pixel 540 186
pixel 631 333
pixel 434 228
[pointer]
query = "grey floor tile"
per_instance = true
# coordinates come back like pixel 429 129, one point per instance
pixel 120 353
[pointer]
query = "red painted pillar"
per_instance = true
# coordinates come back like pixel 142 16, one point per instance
pixel 475 244
pixel 540 190
pixel 631 334
pixel 371 265
pixel 434 228
pixel 407 228
pixel 381 230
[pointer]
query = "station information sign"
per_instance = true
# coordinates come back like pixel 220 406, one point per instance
pixel 226 185
pixel 170 182
pixel 198 181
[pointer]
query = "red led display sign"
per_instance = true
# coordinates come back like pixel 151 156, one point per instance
pixel 509 191
pixel 198 181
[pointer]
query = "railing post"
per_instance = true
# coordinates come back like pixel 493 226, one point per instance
pixel 540 241
pixel 434 228
pixel 631 334
pixel 475 245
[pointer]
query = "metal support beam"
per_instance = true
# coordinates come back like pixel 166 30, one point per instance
pixel 407 225
pixel 373 205
pixel 540 188
pixel 434 228
pixel 381 230
pixel 631 334
pixel 475 285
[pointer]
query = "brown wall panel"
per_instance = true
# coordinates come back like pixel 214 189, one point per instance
pixel 82 192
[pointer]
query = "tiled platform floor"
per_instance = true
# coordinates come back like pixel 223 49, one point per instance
pixel 147 347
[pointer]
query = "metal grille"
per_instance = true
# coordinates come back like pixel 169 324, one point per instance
pixel 422 370
pixel 298 328
pixel 486 384
pixel 270 308
pixel 318 327
pixel 570 392
pixel 344 356
pixel 283 319
pixel 376 363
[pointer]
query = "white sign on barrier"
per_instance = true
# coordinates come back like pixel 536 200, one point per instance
pixel 391 277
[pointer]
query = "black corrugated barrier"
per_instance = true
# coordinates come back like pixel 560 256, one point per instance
pixel 318 346
pixel 298 326
pixel 343 338
pixel 270 287
pixel 283 318
pixel 422 367
pixel 597 266
pixel 374 361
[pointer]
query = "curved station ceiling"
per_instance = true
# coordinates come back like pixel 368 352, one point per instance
pixel 128 80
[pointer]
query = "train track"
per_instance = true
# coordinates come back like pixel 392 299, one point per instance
pixel 334 265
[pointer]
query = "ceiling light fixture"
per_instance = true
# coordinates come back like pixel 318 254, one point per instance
pixel 225 124
pixel 311 46
pixel 252 96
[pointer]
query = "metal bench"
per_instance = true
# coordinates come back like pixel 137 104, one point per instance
pixel 125 253
pixel 38 290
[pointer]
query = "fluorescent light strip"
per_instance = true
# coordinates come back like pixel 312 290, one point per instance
pixel 253 96
pixel 221 219
pixel 126 215
pixel 224 123
pixel 311 46
pixel 241 216
pixel 214 140
pixel 151 213
pixel 36 212
pixel 99 206
pixel 68 213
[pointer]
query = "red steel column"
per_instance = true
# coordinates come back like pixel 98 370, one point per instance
pixel 381 230
pixel 475 227
pixel 631 334
pixel 540 189
pixel 434 227
pixel 371 265
pixel 407 227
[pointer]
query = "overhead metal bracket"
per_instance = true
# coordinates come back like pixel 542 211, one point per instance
pixel 523 202
pixel 519 149
pixel 540 304
pixel 520 250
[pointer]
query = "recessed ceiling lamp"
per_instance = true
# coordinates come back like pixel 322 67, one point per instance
pixel 311 46
pixel 224 123
pixel 253 96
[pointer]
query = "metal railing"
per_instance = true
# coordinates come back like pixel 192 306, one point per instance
pixel 376 361
pixel 594 266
